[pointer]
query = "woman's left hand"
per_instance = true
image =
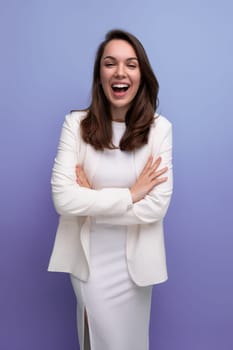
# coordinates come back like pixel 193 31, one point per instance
pixel 81 177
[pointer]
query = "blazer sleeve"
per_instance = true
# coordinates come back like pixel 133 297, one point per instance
pixel 71 199
pixel 154 206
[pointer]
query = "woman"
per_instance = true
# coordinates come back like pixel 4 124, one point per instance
pixel 111 185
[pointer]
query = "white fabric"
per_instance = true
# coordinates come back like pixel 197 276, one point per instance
pixel 76 205
pixel 118 310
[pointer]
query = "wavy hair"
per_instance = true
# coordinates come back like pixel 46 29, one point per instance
pixel 96 127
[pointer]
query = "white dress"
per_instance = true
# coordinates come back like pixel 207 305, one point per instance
pixel 118 310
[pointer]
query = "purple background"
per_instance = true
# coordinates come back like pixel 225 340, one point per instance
pixel 47 53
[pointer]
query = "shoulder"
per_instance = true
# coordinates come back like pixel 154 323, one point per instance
pixel 75 116
pixel 161 125
pixel 160 132
pixel 161 121
pixel 73 119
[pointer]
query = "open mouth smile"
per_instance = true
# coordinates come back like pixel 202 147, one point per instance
pixel 120 87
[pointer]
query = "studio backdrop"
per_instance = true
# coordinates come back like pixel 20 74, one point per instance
pixel 47 54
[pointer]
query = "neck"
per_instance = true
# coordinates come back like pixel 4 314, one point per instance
pixel 118 114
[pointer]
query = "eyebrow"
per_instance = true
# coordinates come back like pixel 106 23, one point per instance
pixel 114 58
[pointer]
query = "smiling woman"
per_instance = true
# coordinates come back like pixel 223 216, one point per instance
pixel 112 184
pixel 120 76
pixel 120 59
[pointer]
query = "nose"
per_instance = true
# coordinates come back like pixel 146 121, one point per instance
pixel 120 70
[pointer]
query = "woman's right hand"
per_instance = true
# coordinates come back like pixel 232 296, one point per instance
pixel 81 177
pixel 148 179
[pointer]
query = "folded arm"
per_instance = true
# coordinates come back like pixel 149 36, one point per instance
pixel 154 205
pixel 71 199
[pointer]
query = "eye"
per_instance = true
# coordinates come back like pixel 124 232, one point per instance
pixel 132 63
pixel 109 64
pixel 132 66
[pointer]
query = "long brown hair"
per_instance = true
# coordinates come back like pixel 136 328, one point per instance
pixel 96 127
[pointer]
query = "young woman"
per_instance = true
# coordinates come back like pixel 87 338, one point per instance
pixel 111 185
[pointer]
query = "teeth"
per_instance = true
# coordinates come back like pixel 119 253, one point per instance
pixel 120 86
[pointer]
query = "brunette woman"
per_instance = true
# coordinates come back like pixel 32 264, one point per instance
pixel 111 185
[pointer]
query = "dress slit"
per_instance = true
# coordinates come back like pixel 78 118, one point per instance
pixel 86 336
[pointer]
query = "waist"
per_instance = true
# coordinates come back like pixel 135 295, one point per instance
pixel 106 228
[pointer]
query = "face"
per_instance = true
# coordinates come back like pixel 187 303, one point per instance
pixel 120 76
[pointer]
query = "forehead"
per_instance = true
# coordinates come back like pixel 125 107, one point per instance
pixel 118 48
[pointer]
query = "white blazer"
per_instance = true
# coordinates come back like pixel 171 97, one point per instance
pixel 145 249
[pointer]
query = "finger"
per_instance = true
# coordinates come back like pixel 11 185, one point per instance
pixel 160 172
pixel 83 179
pixel 83 182
pixel 80 172
pixel 78 169
pixel 155 166
pixel 79 180
pixel 156 176
pixel 148 164
pixel 156 163
pixel 160 180
pixel 157 182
